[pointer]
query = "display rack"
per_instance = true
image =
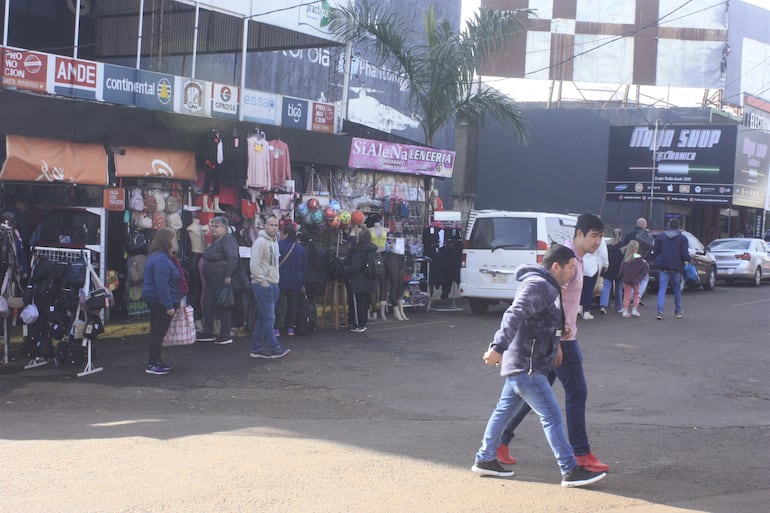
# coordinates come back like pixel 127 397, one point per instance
pixel 417 298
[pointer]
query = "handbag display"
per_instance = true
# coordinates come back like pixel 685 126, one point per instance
pixel 181 331
pixel 226 298
pixel 30 314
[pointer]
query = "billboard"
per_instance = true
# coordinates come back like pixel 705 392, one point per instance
pixel 663 43
pixel 680 164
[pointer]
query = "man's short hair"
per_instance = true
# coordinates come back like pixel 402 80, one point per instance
pixel 559 254
pixel 674 224
pixel 588 221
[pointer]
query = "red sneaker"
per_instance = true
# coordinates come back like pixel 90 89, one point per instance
pixel 592 463
pixel 504 457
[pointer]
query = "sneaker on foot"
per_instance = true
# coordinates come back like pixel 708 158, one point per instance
pixel 223 340
pixel 260 354
pixel 581 476
pixel 587 316
pixel 592 463
pixel 659 316
pixel 277 332
pixel 679 315
pixel 504 455
pixel 290 332
pixel 625 314
pixel 491 468
pixel 635 312
pixel 280 353
pixel 157 368
pixel 603 310
pixel 205 337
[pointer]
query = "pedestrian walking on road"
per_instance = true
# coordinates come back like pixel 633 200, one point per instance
pixel 632 271
pixel 527 347
pixel 611 275
pixel 162 291
pixel 671 252
pixel 587 238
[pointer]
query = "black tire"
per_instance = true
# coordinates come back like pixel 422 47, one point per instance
pixel 711 279
pixel 757 281
pixel 478 306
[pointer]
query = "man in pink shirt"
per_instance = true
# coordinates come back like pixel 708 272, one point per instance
pixel 588 236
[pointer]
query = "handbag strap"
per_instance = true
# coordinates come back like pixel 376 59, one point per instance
pixel 287 255
pixel 5 281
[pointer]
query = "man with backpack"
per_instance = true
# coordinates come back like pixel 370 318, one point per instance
pixel 362 279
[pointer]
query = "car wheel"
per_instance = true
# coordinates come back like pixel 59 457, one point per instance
pixel 757 278
pixel 711 279
pixel 478 306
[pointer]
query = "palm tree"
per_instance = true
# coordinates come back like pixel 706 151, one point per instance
pixel 440 70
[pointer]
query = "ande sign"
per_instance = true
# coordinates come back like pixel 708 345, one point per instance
pixel 24 70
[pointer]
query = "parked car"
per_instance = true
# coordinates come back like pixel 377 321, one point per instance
pixel 705 264
pixel 497 242
pixel 741 259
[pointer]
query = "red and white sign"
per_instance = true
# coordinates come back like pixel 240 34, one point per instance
pixel 323 118
pixel 24 70
pixel 76 73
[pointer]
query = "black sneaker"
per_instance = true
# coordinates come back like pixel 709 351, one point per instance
pixel 220 340
pixel 157 368
pixel 260 354
pixel 491 468
pixel 205 337
pixel 280 353
pixel 580 476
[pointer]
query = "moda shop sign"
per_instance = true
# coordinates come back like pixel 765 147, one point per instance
pixel 400 158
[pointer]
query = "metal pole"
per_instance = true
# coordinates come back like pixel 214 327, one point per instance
pixel 654 162
pixel 77 30
pixel 195 37
pixel 346 79
pixel 139 35
pixel 243 59
pixel 5 22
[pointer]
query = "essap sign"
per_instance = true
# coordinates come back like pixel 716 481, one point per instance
pixel 260 107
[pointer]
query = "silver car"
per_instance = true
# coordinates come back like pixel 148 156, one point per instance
pixel 741 259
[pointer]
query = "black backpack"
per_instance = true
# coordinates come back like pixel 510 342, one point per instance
pixel 374 265
pixel 306 316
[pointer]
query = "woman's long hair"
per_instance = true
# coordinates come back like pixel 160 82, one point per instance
pixel 164 241
pixel 631 249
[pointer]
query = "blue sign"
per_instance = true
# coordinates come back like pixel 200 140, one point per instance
pixel 294 113
pixel 146 89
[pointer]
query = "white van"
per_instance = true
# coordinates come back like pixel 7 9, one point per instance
pixel 497 242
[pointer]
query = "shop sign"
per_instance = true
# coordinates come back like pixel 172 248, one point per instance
pixel 78 78
pixel 25 71
pixel 155 163
pixel 323 118
pixel 224 101
pixel 115 198
pixel 400 158
pixel 294 113
pixel 752 162
pixel 146 89
pixel 690 164
pixel 53 161
pixel 192 97
pixel 260 107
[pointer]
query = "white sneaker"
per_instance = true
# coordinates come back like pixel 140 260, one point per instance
pixel 587 316
pixel 603 310
pixel 625 314
pixel 635 312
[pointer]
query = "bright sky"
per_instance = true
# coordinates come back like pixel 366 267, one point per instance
pixel 523 90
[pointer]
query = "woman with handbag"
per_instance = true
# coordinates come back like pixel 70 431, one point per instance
pixel 220 260
pixel 292 268
pixel 162 291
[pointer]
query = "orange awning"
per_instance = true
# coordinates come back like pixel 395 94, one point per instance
pixel 53 161
pixel 155 163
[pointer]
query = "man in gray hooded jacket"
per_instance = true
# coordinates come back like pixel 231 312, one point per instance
pixel 526 347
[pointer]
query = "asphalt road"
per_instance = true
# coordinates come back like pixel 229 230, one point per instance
pixel 389 421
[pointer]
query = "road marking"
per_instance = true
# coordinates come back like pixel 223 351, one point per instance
pixel 410 325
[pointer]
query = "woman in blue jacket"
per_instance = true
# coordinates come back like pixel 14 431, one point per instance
pixel 162 291
pixel 292 269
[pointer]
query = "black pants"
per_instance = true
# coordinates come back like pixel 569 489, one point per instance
pixel 194 282
pixel 159 323
pixel 587 294
pixel 358 309
pixel 215 282
pixel 286 309
pixel 394 272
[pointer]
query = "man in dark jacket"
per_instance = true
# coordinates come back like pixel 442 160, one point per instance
pixel 360 286
pixel 671 253
pixel 527 346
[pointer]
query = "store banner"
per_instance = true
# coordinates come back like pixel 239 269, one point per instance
pixel 224 101
pixel 146 89
pixel 30 159
pixel 752 163
pixel 674 164
pixel 24 71
pixel 323 118
pixel 155 163
pixel 260 107
pixel 192 97
pixel 78 78
pixel 400 158
pixel 294 113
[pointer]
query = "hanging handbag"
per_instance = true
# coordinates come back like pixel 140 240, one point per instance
pixel 98 298
pixel 181 331
pixel 226 298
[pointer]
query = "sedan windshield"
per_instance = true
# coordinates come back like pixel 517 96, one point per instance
pixel 730 244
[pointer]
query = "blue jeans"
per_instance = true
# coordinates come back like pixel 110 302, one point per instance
pixel 536 391
pixel 266 298
pixel 604 301
pixel 573 380
pixel 664 278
